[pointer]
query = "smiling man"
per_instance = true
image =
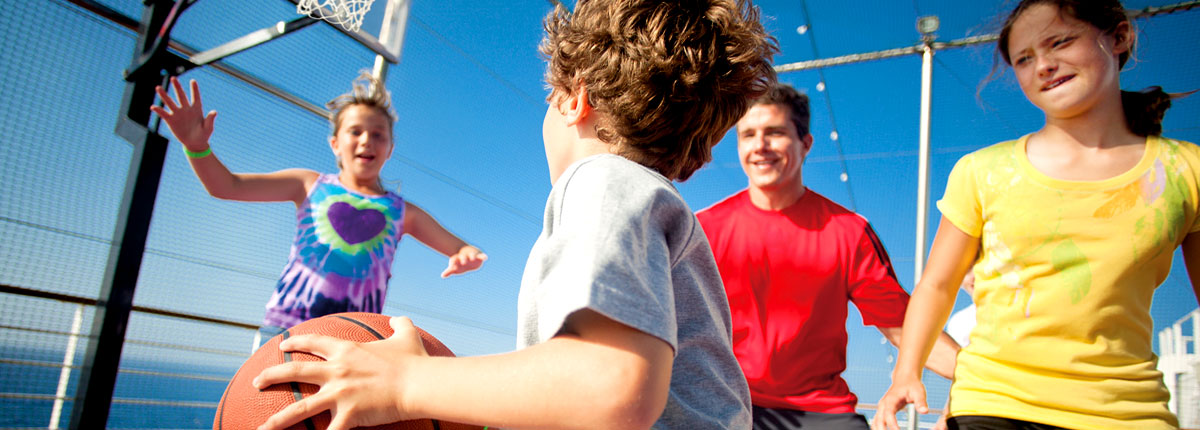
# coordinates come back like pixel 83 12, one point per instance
pixel 791 260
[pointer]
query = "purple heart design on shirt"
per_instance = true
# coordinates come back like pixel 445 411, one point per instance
pixel 355 225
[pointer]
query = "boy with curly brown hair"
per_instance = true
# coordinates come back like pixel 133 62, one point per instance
pixel 623 320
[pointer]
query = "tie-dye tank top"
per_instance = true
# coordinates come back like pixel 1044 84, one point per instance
pixel 342 256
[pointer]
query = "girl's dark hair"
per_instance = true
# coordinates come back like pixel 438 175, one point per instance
pixel 1144 109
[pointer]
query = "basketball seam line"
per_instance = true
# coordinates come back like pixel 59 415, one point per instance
pixel 364 326
pixel 287 358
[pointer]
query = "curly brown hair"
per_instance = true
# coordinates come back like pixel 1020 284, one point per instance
pixel 668 78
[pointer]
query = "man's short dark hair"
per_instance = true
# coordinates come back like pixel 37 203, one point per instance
pixel 796 102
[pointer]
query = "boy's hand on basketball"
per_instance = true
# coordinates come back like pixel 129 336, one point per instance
pixel 361 383
pixel 467 259
pixel 900 394
pixel 186 118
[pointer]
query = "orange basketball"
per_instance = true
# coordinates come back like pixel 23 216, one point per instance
pixel 244 407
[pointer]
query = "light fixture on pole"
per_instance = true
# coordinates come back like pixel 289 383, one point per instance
pixel 926 25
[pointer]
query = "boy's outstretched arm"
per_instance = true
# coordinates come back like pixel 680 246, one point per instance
pixel 597 373
pixel 193 127
pixel 463 257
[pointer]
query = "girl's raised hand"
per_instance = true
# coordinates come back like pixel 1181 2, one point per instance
pixel 467 259
pixel 186 118
pixel 362 384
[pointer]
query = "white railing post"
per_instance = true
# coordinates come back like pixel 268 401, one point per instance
pixel 64 377
pixel 1165 345
pixel 257 341
pixel 1179 343
pixel 1195 333
pixel 1179 361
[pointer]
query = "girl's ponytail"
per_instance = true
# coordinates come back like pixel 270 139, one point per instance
pixel 1144 110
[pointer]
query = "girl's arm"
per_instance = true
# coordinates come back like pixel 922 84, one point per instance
pixel 941 360
pixel 1191 259
pixel 289 185
pixel 596 373
pixel 463 257
pixel 932 300
pixel 192 127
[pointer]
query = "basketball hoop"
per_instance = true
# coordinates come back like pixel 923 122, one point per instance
pixel 346 13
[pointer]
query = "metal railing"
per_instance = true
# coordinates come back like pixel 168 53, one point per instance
pixel 75 334
pixel 1179 361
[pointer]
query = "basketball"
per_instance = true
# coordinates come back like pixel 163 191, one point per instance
pixel 245 407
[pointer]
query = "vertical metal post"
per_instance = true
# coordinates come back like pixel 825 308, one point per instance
pixel 150 67
pixel 1164 342
pixel 391 35
pixel 257 341
pixel 926 26
pixel 923 161
pixel 64 377
pixel 1196 336
pixel 381 69
pixel 1180 343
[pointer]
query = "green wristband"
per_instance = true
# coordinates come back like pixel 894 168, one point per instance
pixel 201 154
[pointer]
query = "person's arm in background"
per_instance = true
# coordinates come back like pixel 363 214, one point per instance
pixel 941 360
pixel 932 300
pixel 1191 259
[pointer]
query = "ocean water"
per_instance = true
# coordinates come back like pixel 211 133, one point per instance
pixel 195 394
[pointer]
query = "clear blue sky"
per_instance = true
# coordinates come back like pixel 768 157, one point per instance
pixel 469 95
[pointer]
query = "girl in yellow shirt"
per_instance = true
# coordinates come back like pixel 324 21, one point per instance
pixel 1076 225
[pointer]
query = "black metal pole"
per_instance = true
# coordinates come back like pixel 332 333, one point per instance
pixel 151 65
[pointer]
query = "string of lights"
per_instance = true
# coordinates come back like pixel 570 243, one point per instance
pixel 805 29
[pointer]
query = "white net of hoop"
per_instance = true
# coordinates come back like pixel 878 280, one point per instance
pixel 346 13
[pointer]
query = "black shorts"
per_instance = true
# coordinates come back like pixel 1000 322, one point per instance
pixel 787 419
pixel 982 422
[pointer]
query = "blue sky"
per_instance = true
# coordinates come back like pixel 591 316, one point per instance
pixel 469 96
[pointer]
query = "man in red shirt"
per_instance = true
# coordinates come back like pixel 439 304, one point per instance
pixel 791 259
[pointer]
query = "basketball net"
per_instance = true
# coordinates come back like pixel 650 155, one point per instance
pixel 346 13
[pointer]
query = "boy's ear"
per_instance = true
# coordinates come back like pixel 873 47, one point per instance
pixel 575 107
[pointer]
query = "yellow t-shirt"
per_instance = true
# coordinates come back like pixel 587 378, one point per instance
pixel 1064 283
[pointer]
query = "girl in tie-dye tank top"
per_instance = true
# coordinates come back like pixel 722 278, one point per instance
pixel 348 225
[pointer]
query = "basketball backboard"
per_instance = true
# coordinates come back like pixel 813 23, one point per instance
pixel 217 32
pixel 379 29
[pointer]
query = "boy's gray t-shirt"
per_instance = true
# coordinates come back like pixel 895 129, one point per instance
pixel 618 239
